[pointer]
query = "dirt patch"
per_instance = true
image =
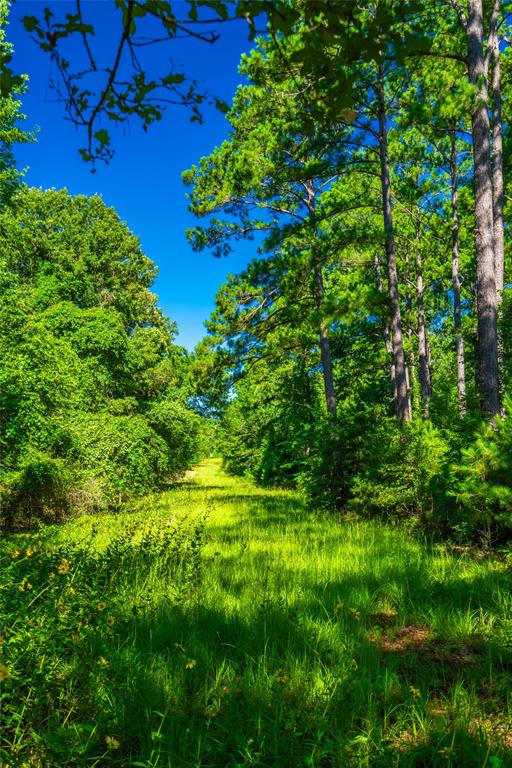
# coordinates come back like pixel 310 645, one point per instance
pixel 384 619
pixel 420 639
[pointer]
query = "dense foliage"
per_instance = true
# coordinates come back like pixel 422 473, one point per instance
pixel 93 395
pixel 364 347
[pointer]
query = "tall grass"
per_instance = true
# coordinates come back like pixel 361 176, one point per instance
pixel 222 625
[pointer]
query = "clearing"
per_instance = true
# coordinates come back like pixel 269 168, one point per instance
pixel 220 624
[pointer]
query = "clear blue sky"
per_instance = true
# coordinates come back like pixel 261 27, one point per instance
pixel 143 181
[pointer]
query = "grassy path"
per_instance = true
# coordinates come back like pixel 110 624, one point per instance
pixel 224 625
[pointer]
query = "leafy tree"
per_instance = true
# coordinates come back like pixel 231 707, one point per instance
pixel 87 363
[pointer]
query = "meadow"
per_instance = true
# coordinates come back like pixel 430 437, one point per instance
pixel 219 624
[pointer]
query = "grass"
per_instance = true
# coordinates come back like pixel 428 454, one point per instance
pixel 220 624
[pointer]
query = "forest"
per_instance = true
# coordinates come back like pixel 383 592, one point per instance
pixel 292 544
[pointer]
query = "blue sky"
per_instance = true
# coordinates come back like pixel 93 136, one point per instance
pixel 143 181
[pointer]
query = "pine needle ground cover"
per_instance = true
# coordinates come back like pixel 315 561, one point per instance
pixel 223 625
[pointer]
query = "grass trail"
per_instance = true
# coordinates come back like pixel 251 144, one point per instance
pixel 220 624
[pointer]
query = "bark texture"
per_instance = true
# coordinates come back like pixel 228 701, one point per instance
pixel 385 332
pixel 425 384
pixel 484 231
pixel 457 310
pixel 497 172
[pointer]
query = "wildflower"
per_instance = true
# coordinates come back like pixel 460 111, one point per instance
pixel 101 606
pixel 190 664
pixel 63 567
pixel 110 620
pixel 51 576
pixel 111 742
pixel 4 673
pixel 338 608
pixel 355 613
pixel 29 552
pixel 103 662
pixel 25 584
pixel 15 554
pixel 416 693
pixel 71 591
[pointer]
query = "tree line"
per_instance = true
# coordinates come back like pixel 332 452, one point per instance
pixel 364 352
pixel 366 156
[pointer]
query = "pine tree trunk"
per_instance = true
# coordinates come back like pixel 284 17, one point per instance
pixel 497 197
pixel 325 349
pixel 425 385
pixel 497 173
pixel 484 234
pixel 386 334
pixel 403 400
pixel 457 314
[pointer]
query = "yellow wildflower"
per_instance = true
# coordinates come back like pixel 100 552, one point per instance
pixel 15 554
pixel 416 693
pixel 63 567
pixel 111 742
pixel 71 591
pixel 51 576
pixel 4 673
pixel 29 552
pixel 103 662
pixel 101 606
pixel 110 620
pixel 190 664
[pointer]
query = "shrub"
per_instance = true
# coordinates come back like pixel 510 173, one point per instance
pixel 123 452
pixel 483 480
pixel 405 471
pixel 179 427
pixel 38 491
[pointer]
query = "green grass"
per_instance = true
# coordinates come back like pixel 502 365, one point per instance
pixel 220 624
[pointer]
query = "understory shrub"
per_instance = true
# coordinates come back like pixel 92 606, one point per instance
pixel 179 427
pixel 482 480
pixel 405 477
pixel 123 453
pixel 40 490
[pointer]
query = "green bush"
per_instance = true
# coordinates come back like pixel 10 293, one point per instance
pixel 482 483
pixel 405 476
pixel 40 490
pixel 123 453
pixel 179 427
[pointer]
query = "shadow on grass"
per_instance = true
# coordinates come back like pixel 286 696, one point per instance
pixel 252 696
pixel 132 648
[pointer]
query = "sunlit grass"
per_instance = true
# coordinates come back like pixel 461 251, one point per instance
pixel 220 624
